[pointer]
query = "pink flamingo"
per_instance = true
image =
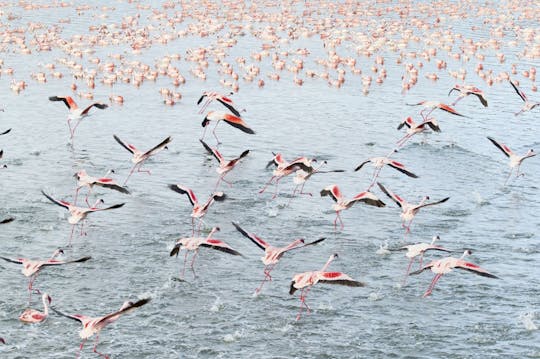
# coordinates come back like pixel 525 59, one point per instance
pixel 408 210
pixel 284 168
pixel 466 90
pixel 199 210
pixel 76 113
pixel 528 105
pixel 193 244
pixel 432 105
pixel 31 267
pixel 272 254
pixel 306 280
pixel 413 128
pixel 342 203
pixel 232 120
pixel 78 214
pixel 418 249
pixel 225 166
pixel 515 160
pixel 35 316
pixel 85 180
pixel 139 157
pixel 94 325
pixel 223 99
pixel 445 265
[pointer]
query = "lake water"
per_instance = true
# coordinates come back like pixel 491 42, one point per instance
pixel 216 315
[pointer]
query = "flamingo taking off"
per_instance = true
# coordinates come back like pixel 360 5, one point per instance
pixel 301 176
pixel 232 120
pixel 199 210
pixel 432 105
pixel 408 210
pixel 85 180
pixel 94 325
pixel 466 90
pixel 515 160
pixel 284 168
pixel 225 166
pixel 418 249
pixel 342 203
pixel 380 162
pixel 139 157
pixel 528 105
pixel 78 214
pixel 76 113
pixel 445 265
pixel 272 254
pixel 223 99
pixel 306 280
pixel 32 267
pixel 193 244
pixel 413 128
pixel 35 316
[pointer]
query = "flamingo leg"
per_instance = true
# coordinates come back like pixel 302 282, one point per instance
pixel 193 262
pixel 192 226
pixel 267 184
pixel 276 192
pixel 185 261
pixel 130 173
pixel 338 217
pixel 214 133
pixel 81 348
pixel 509 175
pixel 302 191
pixel 404 139
pixel 88 195
pixel 30 287
pixel 432 285
pixel 407 272
pixel 139 170
pixel 76 195
pixel 303 295
pixel 95 348
pixel 74 128
pixel 267 277
pixel 70 130
pixel 421 259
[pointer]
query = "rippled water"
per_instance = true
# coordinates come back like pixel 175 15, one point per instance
pixel 216 315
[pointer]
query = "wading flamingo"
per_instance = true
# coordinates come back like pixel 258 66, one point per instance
pixel 225 166
pixel 76 113
pixel 232 120
pixel 515 160
pixel 35 316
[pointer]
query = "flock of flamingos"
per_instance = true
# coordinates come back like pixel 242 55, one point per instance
pixel 300 169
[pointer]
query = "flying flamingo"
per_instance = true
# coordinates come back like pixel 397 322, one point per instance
pixel 35 316
pixel 94 325
pixel 223 99
pixel 515 160
pixel 199 210
pixel 466 90
pixel 306 280
pixel 414 128
pixel 432 105
pixel 76 113
pixel 284 168
pixel 232 120
pixel 78 214
pixel 415 250
pixel 380 162
pixel 408 210
pixel 85 180
pixel 528 105
pixel 225 166
pixel 445 265
pixel 193 244
pixel 272 254
pixel 342 203
pixel 140 157
pixel 31 268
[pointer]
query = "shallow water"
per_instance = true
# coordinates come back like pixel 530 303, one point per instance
pixel 216 315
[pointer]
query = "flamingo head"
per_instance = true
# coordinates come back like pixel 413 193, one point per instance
pixel 530 153
pixel 467 252
pixel 57 253
pixel 47 298
pixel 435 239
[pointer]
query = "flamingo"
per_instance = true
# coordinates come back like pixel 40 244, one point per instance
pixel 272 254
pixel 35 316
pixel 342 203
pixel 199 210
pixel 445 265
pixel 432 105
pixel 7 220
pixel 223 99
pixel 85 180
pixel 78 214
pixel 31 267
pixel 301 176
pixel 76 113
pixel 304 282
pixel 225 166
pixel 232 120
pixel 408 210
pixel 284 168
pixel 94 325
pixel 380 162
pixel 466 90
pixel 418 249
pixel 528 105
pixel 193 244
pixel 515 160
pixel 414 128
pixel 139 157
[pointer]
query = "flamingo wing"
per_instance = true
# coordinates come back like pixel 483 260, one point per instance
pixel 70 103
pixel 18 261
pixel 101 106
pixel 5 132
pixel 501 146
pixel 258 241
pixel 301 163
pixel 126 145
pixel 332 191
pixel 55 262
pixel 433 203
pixel 339 278
pixel 184 190
pixel 449 109
pixel 219 245
pixel 394 197
pixel 7 220
pixel 201 98
pixel 77 317
pixel 368 198
pixel 212 151
pixel 55 201
pixel 519 92
pixel 158 147
pixel 118 205
pixel 471 267
pixel 238 123
pixel 481 97
pixel 127 307
pixel 433 125
pixel 400 167
pixel 109 183
pixel 229 106
pixel 427 266
pixel 363 163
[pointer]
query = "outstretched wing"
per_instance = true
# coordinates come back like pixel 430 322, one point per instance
pixel 258 241
pixel 237 122
pixel 339 278
pixel 55 262
pixel 408 122
pixel 126 145
pixel 18 261
pixel 127 307
pixel 434 203
pixel 229 106
pixel 400 167
pixel 427 266
pixel 333 191
pixel 219 245
pixel 7 220
pixel 519 92
pixel 212 151
pixel 76 317
pixel 368 198
pixel 109 183
pixel 70 103
pixel 394 197
pixel 101 106
pixel 159 147
pixel 55 201
pixel 5 132
pixel 359 167
pixel 471 267
pixel 184 190
pixel 501 146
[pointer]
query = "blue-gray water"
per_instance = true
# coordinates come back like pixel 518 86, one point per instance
pixel 216 315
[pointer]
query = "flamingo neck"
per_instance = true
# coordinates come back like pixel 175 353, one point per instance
pixel 330 260
pixel 214 230
pixel 45 305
